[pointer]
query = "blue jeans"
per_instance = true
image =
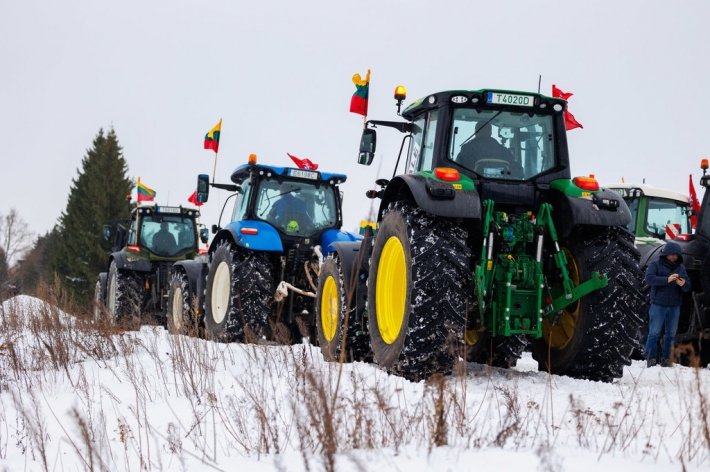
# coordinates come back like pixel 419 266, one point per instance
pixel 659 317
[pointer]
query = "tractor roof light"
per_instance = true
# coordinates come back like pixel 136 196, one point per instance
pixel 252 159
pixel 448 174
pixel 704 164
pixel 400 93
pixel 587 183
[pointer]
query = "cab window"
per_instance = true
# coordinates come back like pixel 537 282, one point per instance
pixel 415 147
pixel 502 144
pixel 666 212
pixel 241 201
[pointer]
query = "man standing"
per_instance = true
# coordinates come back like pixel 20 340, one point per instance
pixel 668 280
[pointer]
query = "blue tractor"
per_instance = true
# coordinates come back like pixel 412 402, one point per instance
pixel 258 281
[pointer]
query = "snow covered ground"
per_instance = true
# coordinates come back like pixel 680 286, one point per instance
pixel 74 398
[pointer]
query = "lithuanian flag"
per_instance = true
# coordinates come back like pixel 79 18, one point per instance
pixel 212 138
pixel 358 104
pixel 145 193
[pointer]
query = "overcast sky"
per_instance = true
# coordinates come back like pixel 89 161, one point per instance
pixel 279 75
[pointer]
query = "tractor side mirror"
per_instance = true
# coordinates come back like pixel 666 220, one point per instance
pixel 108 232
pixel 203 188
pixel 368 143
pixel 204 234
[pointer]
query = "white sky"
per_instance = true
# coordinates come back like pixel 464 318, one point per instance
pixel 279 74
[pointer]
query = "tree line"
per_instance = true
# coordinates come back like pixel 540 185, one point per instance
pixel 73 252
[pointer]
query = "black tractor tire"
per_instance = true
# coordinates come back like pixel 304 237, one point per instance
pixel 498 351
pixel 124 295
pixel 181 316
pixel 594 337
pixel 340 325
pixel 418 285
pixel 239 295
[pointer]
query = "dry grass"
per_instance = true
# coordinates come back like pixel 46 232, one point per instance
pixel 150 401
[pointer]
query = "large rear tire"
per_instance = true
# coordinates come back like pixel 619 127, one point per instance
pixel 419 281
pixel 124 295
pixel 594 337
pixel 334 303
pixel 240 290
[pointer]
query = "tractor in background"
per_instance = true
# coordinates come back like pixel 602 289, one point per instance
pixel 144 249
pixel 258 281
pixel 659 215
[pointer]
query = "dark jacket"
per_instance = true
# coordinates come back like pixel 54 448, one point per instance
pixel 662 292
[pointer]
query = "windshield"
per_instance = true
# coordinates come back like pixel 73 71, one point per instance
pixel 662 213
pixel 167 235
pixel 502 144
pixel 296 208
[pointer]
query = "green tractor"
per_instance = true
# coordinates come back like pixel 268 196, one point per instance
pixel 660 215
pixel 485 243
pixel 135 285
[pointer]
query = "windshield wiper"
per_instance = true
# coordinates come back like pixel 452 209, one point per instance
pixel 480 128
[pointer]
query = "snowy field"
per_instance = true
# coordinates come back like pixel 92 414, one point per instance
pixel 76 397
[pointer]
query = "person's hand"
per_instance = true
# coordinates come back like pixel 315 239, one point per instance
pixel 680 281
pixel 672 278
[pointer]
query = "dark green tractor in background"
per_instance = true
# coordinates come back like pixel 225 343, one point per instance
pixel 485 242
pixel 135 285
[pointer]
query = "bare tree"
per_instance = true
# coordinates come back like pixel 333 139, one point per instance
pixel 15 236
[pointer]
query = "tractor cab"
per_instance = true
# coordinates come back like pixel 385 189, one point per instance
pixel 495 138
pixel 298 203
pixel 164 232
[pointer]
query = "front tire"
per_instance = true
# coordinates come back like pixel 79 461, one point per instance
pixel 181 315
pixel 420 278
pixel 239 292
pixel 336 311
pixel 594 337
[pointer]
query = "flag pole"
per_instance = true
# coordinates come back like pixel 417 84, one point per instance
pixel 214 167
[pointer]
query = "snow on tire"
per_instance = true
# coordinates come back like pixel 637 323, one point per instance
pixel 180 316
pixel 124 295
pixel 239 293
pixel 594 337
pixel 418 285
pixel 335 313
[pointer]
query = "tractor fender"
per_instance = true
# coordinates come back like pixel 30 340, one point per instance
pixel 332 236
pixel 570 211
pixel 196 272
pixel 349 255
pixel 250 234
pixel 124 262
pixel 464 204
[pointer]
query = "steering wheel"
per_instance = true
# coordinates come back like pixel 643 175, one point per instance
pixel 482 164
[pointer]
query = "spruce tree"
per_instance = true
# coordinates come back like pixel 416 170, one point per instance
pixel 97 197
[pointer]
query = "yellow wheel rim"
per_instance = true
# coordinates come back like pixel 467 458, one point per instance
pixel 559 335
pixel 391 290
pixel 329 303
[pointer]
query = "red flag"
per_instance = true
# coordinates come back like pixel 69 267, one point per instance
pixel 193 199
pixel 305 163
pixel 694 203
pixel 570 121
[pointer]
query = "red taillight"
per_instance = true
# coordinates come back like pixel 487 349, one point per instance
pixel 249 231
pixel 447 173
pixel 134 248
pixel 682 237
pixel 203 250
pixel 586 183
